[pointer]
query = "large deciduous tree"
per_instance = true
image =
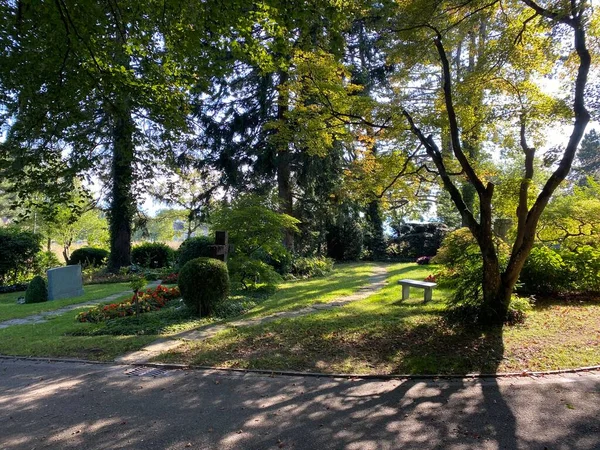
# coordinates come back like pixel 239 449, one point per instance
pixel 523 40
pixel 102 89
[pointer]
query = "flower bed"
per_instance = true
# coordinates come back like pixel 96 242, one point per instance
pixel 148 300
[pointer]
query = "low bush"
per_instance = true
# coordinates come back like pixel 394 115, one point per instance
pixel 195 247
pixel 228 308
pixel 315 266
pixel 251 273
pixel 544 272
pixel 37 291
pixel 13 288
pixel 101 275
pixel 89 257
pixel 45 261
pixel 204 282
pixel 153 255
pixel 149 300
pixel 583 266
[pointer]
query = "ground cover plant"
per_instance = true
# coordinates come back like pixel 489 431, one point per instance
pixel 9 309
pixel 383 334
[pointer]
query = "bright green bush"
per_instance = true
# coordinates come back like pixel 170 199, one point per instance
pixel 544 272
pixel 195 247
pixel 36 292
pixel 17 254
pixel 203 282
pixel 45 261
pixel 583 265
pixel 314 266
pixel 153 255
pixel 89 256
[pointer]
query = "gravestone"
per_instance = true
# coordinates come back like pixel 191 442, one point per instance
pixel 64 282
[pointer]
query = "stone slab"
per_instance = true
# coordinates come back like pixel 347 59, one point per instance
pixel 64 282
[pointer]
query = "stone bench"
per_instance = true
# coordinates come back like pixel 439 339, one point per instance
pixel 425 285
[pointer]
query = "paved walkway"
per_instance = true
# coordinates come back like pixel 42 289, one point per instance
pixel 44 316
pixel 100 407
pixel 374 284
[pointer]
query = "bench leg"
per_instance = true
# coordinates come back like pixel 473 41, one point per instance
pixel 405 292
pixel 428 294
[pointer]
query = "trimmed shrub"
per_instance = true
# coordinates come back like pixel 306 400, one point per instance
pixel 195 247
pixel 153 255
pixel 315 266
pixel 17 255
pixel 36 292
pixel 203 282
pixel 89 256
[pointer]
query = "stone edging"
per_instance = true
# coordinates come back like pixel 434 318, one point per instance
pixel 288 373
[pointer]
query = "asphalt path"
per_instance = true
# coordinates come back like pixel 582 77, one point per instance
pixel 62 405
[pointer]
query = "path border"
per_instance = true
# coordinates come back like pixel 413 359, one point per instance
pixel 290 373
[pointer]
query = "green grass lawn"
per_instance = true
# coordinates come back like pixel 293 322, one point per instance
pixel 63 336
pixel 387 336
pixel 9 309
pixel 346 279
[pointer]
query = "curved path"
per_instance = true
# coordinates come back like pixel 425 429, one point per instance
pixel 96 406
pixel 375 282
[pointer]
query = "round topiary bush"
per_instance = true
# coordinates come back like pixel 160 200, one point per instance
pixel 203 282
pixel 153 255
pixel 89 256
pixel 195 247
pixel 36 292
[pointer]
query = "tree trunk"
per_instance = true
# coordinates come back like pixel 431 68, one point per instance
pixel 284 173
pixel 122 204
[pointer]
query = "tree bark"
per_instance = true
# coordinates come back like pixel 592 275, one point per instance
pixel 122 206
pixel 284 172
pixel 122 202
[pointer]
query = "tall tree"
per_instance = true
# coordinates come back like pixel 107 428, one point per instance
pixel 520 52
pixel 90 87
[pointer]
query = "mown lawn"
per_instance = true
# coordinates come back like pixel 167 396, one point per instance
pixel 382 335
pixel 345 280
pixel 9 309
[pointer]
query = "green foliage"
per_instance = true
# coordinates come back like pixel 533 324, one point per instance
pixel 153 255
pixel 137 283
pixel 203 282
pixel 89 256
pixel 194 247
pixel 463 273
pixel 45 261
pixel 544 272
pixel 36 292
pixel 345 239
pixel 315 266
pixel 17 254
pixel 456 245
pixel 583 264
pixel 250 272
pixel 256 232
